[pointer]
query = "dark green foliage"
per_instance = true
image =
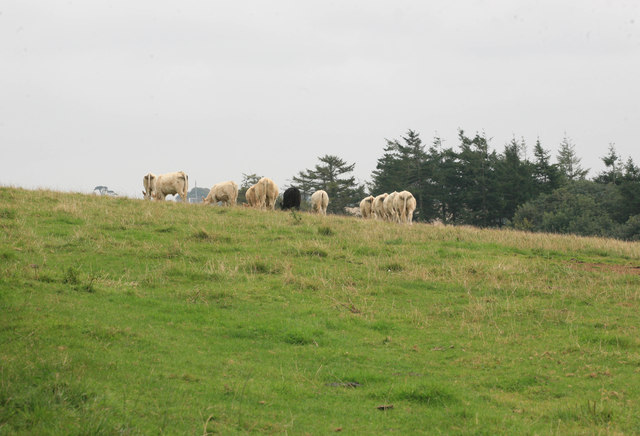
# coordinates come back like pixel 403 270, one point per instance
pixel 631 229
pixel 546 176
pixel 514 175
pixel 477 177
pixel 582 207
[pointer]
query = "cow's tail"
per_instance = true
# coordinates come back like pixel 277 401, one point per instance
pixel 185 177
pixel 403 216
pixel 147 188
pixel 325 202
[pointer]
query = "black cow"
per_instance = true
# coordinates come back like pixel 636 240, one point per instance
pixel 291 199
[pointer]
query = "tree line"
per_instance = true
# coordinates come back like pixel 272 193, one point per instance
pixel 470 184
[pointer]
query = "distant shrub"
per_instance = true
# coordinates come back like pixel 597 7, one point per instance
pixel 631 229
pixel 582 208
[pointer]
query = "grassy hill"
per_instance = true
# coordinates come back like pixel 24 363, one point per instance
pixel 121 316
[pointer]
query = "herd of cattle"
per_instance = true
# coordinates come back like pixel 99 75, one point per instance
pixel 397 206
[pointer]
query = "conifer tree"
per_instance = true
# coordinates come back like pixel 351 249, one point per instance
pixel 478 182
pixel 613 169
pixel 569 162
pixel 514 179
pixel 546 176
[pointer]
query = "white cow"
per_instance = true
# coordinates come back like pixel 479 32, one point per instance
pixel 377 206
pixel 148 181
pixel 226 192
pixel 319 202
pixel 366 206
pixel 389 211
pixel 404 204
pixel 170 184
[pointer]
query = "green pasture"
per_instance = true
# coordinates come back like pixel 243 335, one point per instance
pixel 120 316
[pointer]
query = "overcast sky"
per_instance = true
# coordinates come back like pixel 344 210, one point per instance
pixel 101 92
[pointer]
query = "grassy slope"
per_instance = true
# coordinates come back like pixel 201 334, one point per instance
pixel 124 316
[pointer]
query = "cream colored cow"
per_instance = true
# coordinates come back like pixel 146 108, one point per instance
pixel 404 204
pixel 378 206
pixel 389 211
pixel 170 184
pixel 319 202
pixel 252 197
pixel 366 207
pixel 226 192
pixel 270 190
pixel 148 181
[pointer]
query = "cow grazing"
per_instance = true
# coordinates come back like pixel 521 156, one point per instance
pixel 377 206
pixel 226 192
pixel 319 202
pixel 268 194
pixel 259 195
pixel 389 210
pixel 170 184
pixel 366 206
pixel 404 204
pixel 291 199
pixel 252 197
pixel 148 181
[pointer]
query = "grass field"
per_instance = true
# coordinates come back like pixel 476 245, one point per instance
pixel 120 316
